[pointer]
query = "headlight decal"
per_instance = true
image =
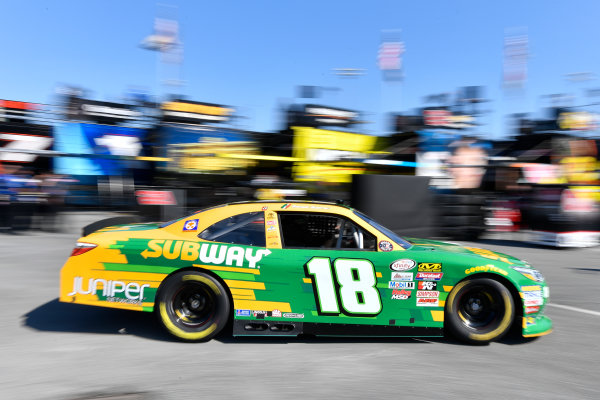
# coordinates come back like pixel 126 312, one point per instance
pixel 530 273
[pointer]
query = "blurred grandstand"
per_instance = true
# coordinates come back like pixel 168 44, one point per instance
pixel 163 159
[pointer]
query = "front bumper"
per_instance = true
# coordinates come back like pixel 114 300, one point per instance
pixel 538 325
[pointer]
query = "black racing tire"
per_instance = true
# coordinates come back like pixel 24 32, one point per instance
pixel 479 311
pixel 193 306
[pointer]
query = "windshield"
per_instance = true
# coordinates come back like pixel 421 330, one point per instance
pixel 384 230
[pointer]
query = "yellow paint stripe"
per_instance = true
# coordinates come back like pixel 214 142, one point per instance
pixel 245 284
pixel 437 316
pixel 242 292
pixel 128 276
pixel 261 305
pixel 378 274
pixel 244 297
pixel 307 280
pixel 539 334
pixel 230 269
pixel 447 288
pixel 442 303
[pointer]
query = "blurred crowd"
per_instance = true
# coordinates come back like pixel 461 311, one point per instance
pixel 29 201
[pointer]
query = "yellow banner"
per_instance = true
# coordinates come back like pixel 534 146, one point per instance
pixel 329 154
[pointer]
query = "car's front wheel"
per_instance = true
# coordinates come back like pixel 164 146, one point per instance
pixel 479 310
pixel 193 306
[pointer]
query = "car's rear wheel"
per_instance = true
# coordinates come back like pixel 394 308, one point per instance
pixel 479 310
pixel 193 306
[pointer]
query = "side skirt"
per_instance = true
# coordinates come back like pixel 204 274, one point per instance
pixel 287 328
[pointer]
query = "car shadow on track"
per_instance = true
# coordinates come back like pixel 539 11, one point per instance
pixel 55 316
pixel 309 339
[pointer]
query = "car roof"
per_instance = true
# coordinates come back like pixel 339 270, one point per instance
pixel 329 203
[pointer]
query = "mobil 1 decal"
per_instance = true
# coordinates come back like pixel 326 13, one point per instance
pixel 344 286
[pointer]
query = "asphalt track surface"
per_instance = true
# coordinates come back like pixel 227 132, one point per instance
pixel 51 350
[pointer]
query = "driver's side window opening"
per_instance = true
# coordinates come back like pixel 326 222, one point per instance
pixel 303 230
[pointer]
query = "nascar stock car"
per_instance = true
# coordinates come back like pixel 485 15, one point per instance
pixel 276 268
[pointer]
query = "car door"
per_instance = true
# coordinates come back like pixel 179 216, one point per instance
pixel 328 269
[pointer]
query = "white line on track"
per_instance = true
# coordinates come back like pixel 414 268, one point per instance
pixel 581 310
pixel 422 340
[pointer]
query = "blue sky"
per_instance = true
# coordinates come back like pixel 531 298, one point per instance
pixel 252 54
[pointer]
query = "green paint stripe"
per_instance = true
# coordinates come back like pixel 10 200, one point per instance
pixel 238 276
pixel 147 309
pixel 151 269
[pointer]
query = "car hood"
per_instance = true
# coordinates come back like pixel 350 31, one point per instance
pixel 425 244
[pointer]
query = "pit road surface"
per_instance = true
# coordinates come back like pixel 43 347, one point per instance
pixel 51 350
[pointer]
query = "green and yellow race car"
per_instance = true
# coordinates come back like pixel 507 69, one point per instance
pixel 277 268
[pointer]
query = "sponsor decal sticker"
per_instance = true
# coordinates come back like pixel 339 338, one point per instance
pixel 384 245
pixel 429 276
pixel 425 302
pixel 260 314
pixel 270 222
pixel 308 207
pixel 401 294
pixel 114 291
pixel 424 285
pixel 488 254
pixel 205 253
pixel 486 268
pixel 531 288
pixel 190 225
pixel 428 293
pixel 271 228
pixel 532 309
pixel 242 313
pixel 402 265
pixel 529 321
pixel 533 298
pixel 276 313
pixel 430 267
pixel 265 208
pixel 402 276
pixel 401 285
pixel 271 215
pixel 285 206
pixel 292 315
